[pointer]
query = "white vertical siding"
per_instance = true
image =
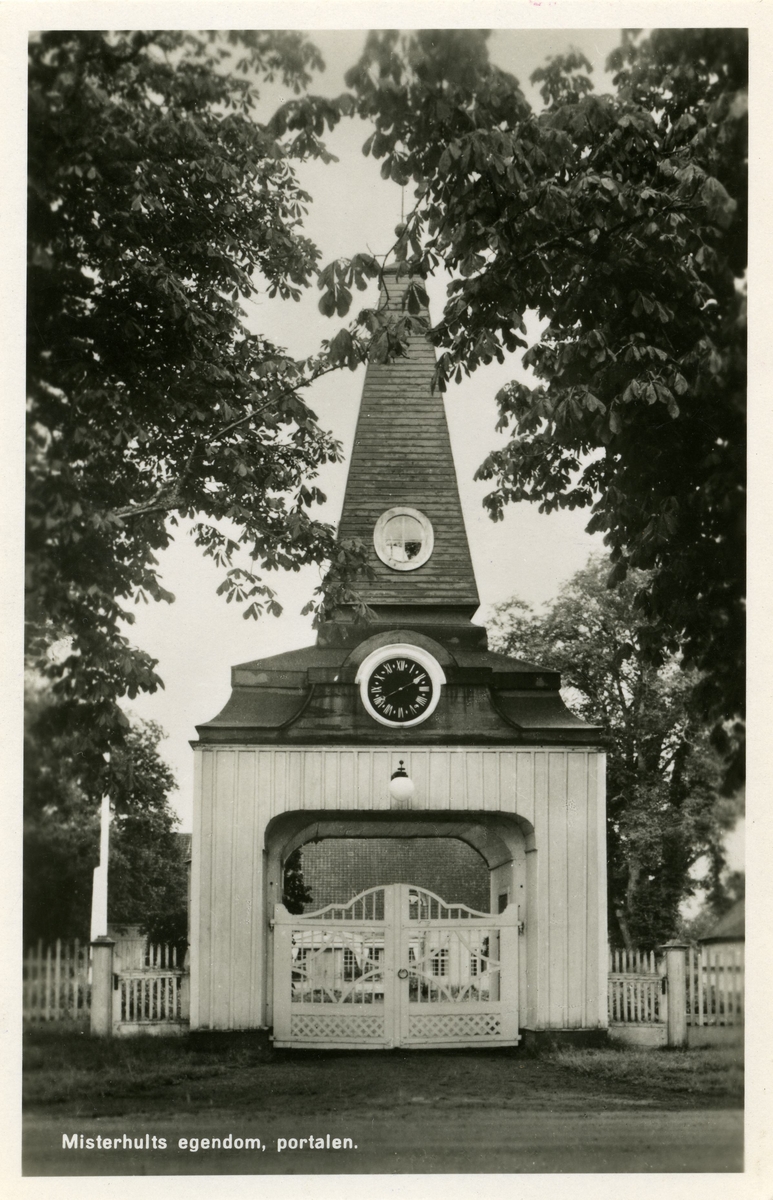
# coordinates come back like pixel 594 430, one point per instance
pixel 505 784
pixel 439 792
pixel 557 793
pixel 597 895
pixel 492 795
pixel 539 913
pixel 474 778
pixel 195 888
pixel 577 890
pixel 223 891
pixel 345 777
pixel 523 801
pixel 381 772
pixel 557 889
pixel 245 905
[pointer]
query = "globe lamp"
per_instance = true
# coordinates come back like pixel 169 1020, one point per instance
pixel 401 787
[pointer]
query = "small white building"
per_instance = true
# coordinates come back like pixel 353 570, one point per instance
pixel 307 745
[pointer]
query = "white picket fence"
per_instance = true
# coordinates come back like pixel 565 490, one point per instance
pixel 715 985
pixel 56 982
pixel 152 995
pixel 149 993
pixel 151 988
pixel 703 988
pixel 635 987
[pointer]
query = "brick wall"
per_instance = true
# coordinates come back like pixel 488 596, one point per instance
pixel 338 868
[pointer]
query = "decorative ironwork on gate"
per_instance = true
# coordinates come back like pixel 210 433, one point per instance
pixel 396 965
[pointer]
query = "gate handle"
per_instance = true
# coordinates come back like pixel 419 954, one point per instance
pixel 402 973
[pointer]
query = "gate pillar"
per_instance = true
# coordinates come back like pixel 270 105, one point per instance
pixel 102 986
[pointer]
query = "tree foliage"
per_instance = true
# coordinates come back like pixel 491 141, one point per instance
pixel 295 894
pixel 161 199
pixel 664 813
pixel 158 203
pixel 621 221
pixel 147 870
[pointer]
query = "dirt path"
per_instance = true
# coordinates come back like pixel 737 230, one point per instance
pixel 403 1112
pixel 407 1140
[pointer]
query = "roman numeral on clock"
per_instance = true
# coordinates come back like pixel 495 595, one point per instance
pixel 400 691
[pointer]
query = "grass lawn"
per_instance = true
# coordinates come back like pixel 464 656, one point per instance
pixel 77 1073
pixel 465 1110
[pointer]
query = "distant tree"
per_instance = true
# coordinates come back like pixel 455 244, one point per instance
pixel 147 875
pixel 61 832
pixel 620 220
pixel 664 812
pixel 295 894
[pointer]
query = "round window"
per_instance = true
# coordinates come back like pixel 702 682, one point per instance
pixel 403 538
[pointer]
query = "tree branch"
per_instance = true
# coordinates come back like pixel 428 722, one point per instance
pixel 169 497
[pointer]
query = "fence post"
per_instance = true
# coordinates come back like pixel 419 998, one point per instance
pixel 185 988
pixel 102 986
pixel 676 975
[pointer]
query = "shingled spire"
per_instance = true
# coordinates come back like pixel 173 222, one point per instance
pixel 402 459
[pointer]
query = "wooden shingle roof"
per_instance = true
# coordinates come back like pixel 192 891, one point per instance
pixel 402 456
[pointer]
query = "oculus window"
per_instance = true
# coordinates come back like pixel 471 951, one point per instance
pixel 403 538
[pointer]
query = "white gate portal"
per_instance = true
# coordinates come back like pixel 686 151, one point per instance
pixel 395 966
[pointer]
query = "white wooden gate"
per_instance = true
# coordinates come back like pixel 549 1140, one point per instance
pixel 395 966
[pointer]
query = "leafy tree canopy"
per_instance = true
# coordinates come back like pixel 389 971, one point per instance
pixel 664 812
pixel 158 202
pixel 147 870
pixel 621 221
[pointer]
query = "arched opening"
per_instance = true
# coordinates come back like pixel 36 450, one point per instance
pixel 483 852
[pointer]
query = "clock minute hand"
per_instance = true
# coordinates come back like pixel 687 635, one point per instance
pixel 401 688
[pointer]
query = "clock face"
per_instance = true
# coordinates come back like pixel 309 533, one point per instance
pixel 400 690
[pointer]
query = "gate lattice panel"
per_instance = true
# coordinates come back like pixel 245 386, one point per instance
pixel 395 966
